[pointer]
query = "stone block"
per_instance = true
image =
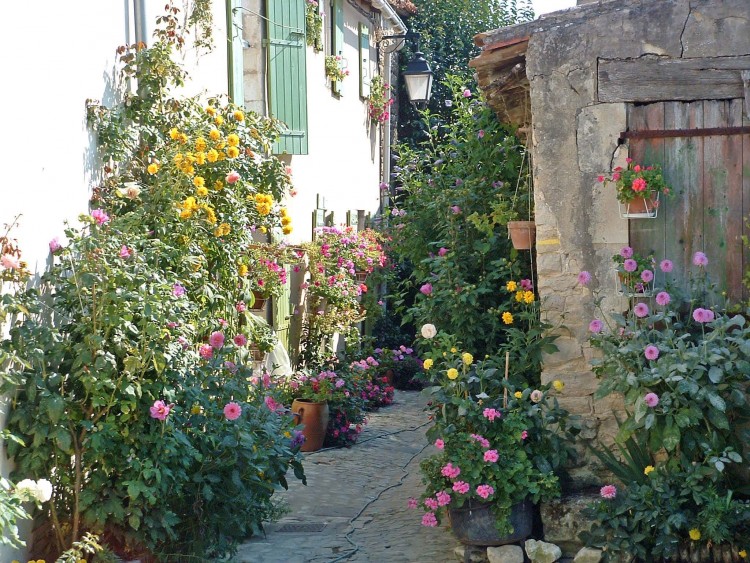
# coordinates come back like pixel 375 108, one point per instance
pixel 505 554
pixel 577 383
pixel 576 405
pixel 568 349
pixel 548 263
pixel 542 551
pixel 563 520
pixel 598 130
pixel 476 554
pixel 608 405
pixel 588 555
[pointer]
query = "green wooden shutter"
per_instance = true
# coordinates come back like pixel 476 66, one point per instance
pixel 282 310
pixel 287 72
pixel 337 39
pixel 364 61
pixel 235 64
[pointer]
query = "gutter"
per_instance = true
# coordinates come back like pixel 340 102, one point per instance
pixel 399 27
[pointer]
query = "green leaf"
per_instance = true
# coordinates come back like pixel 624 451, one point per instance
pixel 55 408
pixel 715 374
pixel 134 521
pixel 717 402
pixel 671 435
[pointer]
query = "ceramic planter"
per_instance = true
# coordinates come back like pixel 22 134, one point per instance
pixel 474 524
pixel 314 417
pixel 522 234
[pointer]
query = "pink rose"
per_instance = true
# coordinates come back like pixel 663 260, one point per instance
pixel 232 177
pixel 216 340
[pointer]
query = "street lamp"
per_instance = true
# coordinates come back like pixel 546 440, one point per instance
pixel 418 75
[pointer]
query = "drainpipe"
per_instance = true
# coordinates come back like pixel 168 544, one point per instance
pixel 139 17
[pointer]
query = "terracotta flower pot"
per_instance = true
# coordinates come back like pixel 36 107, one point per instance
pixel 361 276
pixel 314 417
pixel 640 208
pixel 260 301
pixel 522 234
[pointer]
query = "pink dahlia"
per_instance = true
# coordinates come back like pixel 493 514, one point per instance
pixel 240 340
pixel 206 352
pixel 651 399
pixel 216 340
pixel 232 411
pixel 608 492
pixel 651 352
pixel 584 278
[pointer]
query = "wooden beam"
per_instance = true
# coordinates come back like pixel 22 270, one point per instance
pixel 663 79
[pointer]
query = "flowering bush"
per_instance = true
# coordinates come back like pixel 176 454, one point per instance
pixel 334 65
pixel 636 181
pixel 379 101
pixel 494 439
pixel 314 25
pixel 681 365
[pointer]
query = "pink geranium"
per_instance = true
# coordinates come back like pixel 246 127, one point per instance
pixel 439 444
pixel 429 520
pixel 491 456
pixel 443 498
pixel 160 410
pixel 431 503
pixel 485 443
pixel 491 414
pixel 485 491
pixel 461 487
pixel 232 411
pixel 450 471
pixel 412 503
pixel 639 184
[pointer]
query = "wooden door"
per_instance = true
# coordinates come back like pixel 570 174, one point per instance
pixel 709 172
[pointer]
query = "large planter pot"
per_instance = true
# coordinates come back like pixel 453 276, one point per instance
pixel 474 524
pixel 522 234
pixel 314 417
pixel 259 302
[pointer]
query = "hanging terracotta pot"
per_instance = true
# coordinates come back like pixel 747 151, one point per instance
pixel 259 356
pixel 522 234
pixel 314 417
pixel 641 207
pixel 260 301
pixel 361 276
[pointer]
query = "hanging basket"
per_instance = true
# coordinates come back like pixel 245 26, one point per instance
pixel 640 207
pixel 522 234
pixel 632 288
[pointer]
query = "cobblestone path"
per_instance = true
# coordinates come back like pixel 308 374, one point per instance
pixel 354 505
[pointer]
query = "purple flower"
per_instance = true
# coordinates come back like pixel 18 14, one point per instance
pixel 481 134
pixel 663 298
pixel 626 252
pixel 584 278
pixel 298 438
pixel 100 216
pixel 526 285
pixel 596 326
pixel 703 315
pixel 651 399
pixel 630 265
pixel 640 310
pixel 456 209
pixel 459 181
pixel 54 245
pixel 178 290
pixel 467 93
pixel 651 352
pixel 443 251
pixel 700 259
pixel 426 289
pixel 647 275
pixel 666 266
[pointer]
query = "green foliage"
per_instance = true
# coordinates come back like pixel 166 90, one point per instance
pixel 314 25
pixel 455 195
pixel 447 32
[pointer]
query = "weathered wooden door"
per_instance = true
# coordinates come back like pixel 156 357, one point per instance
pixel 282 313
pixel 706 161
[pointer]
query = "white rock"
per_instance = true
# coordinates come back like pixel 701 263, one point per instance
pixel 588 555
pixel 505 554
pixel 542 552
pixel 477 554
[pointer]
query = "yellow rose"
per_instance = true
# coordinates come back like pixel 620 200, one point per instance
pixel 183 138
pixel 511 286
pixel 233 140
pixel 648 469
pixel 528 296
pixel 214 134
pixel 233 152
pixel 454 350
pixel 427 363
pixel 286 220
pixel 518 395
pixel 507 318
pixel 287 229
pixel 218 185
pixel 558 385
pixel 200 158
pixel 284 211
pixel 174 133
pixel 695 534
pixel 452 373
pixel 467 358
pixel 242 270
pixel 153 168
pixel 239 116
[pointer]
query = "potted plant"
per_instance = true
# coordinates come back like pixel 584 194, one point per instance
pixel 314 25
pixel 334 67
pixel 265 273
pixel 260 336
pixel 638 189
pixel 635 274
pixel 683 490
pixel 379 100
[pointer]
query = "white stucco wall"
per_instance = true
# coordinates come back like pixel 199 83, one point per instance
pixel 55 56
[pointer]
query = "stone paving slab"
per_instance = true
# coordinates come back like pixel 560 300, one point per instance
pixel 359 494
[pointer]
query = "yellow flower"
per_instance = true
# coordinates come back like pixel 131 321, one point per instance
pixel 287 434
pixel 200 158
pixel 648 469
pixel 519 296
pixel 695 534
pixel 223 229
pixel 454 350
pixel 174 133
pixel 199 182
pixel 511 286
pixel 507 318
pixel 210 111
pixel 467 358
pixel 284 211
pixel 202 192
pixel 242 270
pixel 214 134
pixel 239 116
pixel 218 185
pixel 558 385
pixel 189 170
pixel 518 395
pixel 452 373
pixel 287 229
pixel 212 155
pixel 200 144
pixel 219 120
pixel 233 152
pixel 528 297
pixel 178 158
pixel 427 363
pixel 196 409
pixel 263 229
pixel 153 168
pixel 233 140
pixel 183 138
pixel 742 553
pixel 286 220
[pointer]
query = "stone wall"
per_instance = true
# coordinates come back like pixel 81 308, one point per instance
pixel 575 139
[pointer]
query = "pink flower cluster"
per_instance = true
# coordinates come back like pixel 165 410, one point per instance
pixel 491 414
pixel 491 456
pixel 485 443
pixel 485 491
pixel 701 315
pixel 450 471
pixel 461 487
